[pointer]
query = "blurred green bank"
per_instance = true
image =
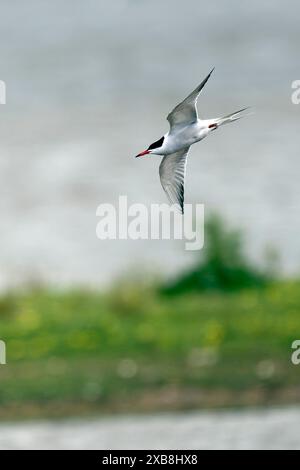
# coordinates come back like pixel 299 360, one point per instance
pixel 131 349
pixel 218 335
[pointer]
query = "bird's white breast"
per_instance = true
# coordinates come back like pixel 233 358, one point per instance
pixel 184 137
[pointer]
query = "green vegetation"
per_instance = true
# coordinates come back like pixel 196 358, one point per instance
pixel 131 349
pixel 222 264
pixel 224 340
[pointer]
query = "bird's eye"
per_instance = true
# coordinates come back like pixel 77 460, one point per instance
pixel 212 126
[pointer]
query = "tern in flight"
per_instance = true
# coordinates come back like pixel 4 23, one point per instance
pixel 185 129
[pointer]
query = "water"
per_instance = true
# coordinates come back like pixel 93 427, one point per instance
pixel 89 85
pixel 263 429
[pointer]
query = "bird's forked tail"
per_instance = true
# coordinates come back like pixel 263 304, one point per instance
pixel 232 117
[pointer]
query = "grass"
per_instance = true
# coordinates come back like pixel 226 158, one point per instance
pixel 133 349
pixel 219 335
pixel 222 264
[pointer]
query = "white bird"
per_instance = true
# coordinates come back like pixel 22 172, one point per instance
pixel 185 129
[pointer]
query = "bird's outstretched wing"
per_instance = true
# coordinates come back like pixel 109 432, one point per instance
pixel 185 113
pixel 172 175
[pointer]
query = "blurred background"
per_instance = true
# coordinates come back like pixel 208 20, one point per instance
pixel 131 335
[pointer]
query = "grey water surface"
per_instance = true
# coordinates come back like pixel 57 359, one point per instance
pixel 90 84
pixel 255 429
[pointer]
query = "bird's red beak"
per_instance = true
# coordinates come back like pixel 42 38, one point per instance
pixel 145 152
